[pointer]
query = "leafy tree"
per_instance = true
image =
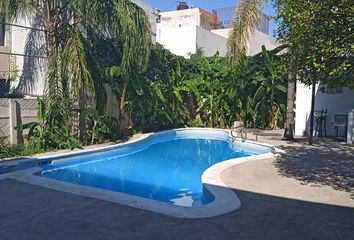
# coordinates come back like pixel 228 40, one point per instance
pixel 71 26
pixel 320 37
pixel 261 84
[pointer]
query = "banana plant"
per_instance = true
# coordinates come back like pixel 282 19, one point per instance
pixel 36 130
pixel 273 82
pixel 44 135
pixel 101 124
pixel 211 89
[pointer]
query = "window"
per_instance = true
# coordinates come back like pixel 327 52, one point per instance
pixel 331 90
pixel 2 32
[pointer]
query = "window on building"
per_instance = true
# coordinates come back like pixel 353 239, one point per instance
pixel 2 32
pixel 331 90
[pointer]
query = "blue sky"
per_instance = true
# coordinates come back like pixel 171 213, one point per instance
pixel 169 5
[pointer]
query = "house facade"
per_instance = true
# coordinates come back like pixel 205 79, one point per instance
pixel 184 31
pixel 336 104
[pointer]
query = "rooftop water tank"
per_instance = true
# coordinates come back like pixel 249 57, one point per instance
pixel 182 5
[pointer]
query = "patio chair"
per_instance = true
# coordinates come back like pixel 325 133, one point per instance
pixel 321 122
pixel 340 120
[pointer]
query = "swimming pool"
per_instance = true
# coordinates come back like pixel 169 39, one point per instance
pixel 176 172
pixel 166 167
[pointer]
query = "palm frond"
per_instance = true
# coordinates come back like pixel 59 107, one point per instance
pixel 75 63
pixel 247 18
pixel 122 20
pixel 12 9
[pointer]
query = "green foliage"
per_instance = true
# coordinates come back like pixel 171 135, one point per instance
pixel 206 92
pixel 13 69
pixel 320 37
pixel 74 30
pixel 246 19
pixel 210 88
pixel 102 126
pixel 159 104
pixel 43 135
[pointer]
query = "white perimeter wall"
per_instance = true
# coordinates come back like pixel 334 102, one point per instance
pixel 180 41
pixel 210 42
pixel 339 103
pixel 257 39
pixel 184 41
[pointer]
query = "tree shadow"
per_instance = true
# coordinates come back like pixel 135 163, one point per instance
pixel 34 64
pixel 326 162
pixel 45 212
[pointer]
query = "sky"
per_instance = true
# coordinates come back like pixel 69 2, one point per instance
pixel 170 5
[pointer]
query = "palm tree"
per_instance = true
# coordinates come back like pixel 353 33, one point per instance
pixel 247 18
pixel 290 114
pixel 70 25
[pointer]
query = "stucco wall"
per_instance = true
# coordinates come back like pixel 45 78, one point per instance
pixel 223 32
pixel 338 103
pixel 180 41
pixel 184 41
pixel 257 39
pixel 182 18
pixel 210 42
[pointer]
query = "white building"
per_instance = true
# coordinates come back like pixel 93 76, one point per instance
pixel 183 31
pixel 337 102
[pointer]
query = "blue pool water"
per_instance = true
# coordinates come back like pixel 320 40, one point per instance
pixel 169 170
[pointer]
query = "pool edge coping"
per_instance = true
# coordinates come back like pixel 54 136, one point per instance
pixel 225 199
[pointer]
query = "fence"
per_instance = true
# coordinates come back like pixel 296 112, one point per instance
pixel 22 59
pixel 22 68
pixel 227 15
pixel 13 113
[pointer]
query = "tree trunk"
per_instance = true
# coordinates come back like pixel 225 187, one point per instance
pixel 312 117
pixel 82 119
pixel 290 114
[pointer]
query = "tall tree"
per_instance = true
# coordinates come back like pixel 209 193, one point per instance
pixel 290 113
pixel 69 26
pixel 247 18
pixel 320 39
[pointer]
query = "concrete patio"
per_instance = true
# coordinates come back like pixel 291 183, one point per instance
pixel 306 193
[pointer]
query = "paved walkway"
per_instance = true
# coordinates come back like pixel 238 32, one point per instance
pixel 304 194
